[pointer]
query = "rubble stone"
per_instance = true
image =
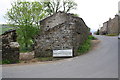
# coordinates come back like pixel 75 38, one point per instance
pixel 60 31
pixel 10 48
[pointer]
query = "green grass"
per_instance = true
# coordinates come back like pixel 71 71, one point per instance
pixel 4 28
pixel 48 59
pixel 111 34
pixel 23 50
pixel 45 58
pixel 86 46
pixel 0 62
pixel 92 37
pixel 8 62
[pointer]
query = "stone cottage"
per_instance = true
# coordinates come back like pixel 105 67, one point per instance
pixel 103 30
pixel 60 31
pixel 10 48
pixel 112 26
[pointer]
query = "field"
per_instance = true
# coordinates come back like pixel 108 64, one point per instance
pixel 4 28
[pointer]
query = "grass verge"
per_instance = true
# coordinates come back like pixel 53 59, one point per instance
pixel 91 37
pixel 112 35
pixel 48 59
pixel 86 46
pixel 0 62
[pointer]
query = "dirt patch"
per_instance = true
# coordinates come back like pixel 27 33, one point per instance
pixel 94 43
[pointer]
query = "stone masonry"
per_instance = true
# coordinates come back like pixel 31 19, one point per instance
pixel 103 30
pixel 10 48
pixel 112 26
pixel 60 31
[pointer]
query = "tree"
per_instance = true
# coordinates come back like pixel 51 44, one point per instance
pixel 53 6
pixel 76 15
pixel 98 32
pixel 68 5
pixel 25 17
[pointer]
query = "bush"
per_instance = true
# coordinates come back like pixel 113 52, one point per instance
pixel 9 62
pixel 85 47
pixel 5 62
pixel 98 32
pixel 0 62
pixel 91 37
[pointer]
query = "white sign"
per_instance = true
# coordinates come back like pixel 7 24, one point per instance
pixel 63 53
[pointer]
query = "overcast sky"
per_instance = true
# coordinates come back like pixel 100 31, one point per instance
pixel 93 12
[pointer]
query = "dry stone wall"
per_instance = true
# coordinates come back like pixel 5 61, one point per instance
pixel 10 48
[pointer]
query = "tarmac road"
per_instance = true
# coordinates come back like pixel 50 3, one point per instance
pixel 102 62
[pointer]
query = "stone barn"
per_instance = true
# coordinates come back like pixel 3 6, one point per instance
pixel 60 31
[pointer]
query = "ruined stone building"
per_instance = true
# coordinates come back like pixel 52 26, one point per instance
pixel 10 48
pixel 60 31
pixel 112 26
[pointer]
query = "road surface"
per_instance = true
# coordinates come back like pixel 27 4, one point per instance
pixel 102 62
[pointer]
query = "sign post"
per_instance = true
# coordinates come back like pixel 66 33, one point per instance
pixel 63 53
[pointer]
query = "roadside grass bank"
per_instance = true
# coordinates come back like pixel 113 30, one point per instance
pixel 86 46
pixel 111 34
pixel 49 59
pixel 41 59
